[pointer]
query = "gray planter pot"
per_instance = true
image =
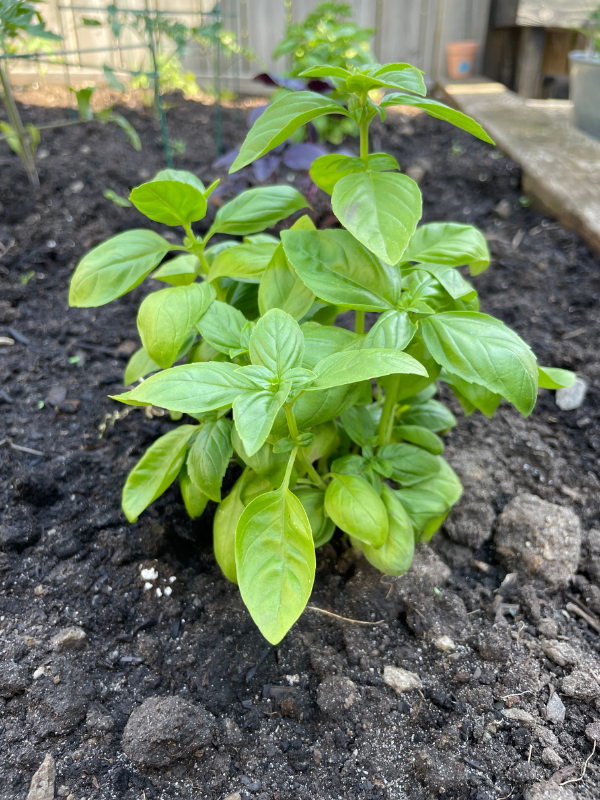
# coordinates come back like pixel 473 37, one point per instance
pixel 585 91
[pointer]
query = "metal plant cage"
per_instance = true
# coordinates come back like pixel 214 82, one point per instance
pixel 224 63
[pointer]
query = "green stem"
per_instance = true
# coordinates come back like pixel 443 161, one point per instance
pixel 386 422
pixel 288 470
pixel 364 138
pixel 359 321
pixel 15 119
pixel 293 429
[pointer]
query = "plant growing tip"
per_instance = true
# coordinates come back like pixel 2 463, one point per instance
pixel 332 427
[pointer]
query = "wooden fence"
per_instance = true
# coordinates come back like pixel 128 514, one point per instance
pixel 405 30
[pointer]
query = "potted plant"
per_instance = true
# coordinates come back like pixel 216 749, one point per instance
pixel 585 79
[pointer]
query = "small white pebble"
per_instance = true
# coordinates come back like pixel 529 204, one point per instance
pixel 39 672
pixel 149 574
pixel 159 592
pixel 147 586
pixel 168 590
pixel 172 579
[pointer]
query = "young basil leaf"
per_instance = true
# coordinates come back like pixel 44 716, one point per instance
pixel 265 462
pixel 277 343
pixel 395 556
pixel 380 209
pixel 227 517
pixel 256 209
pixel 321 341
pixel 280 287
pixel 194 500
pixel 481 349
pixel 166 317
pixel 439 111
pixel 212 252
pixel 222 325
pixel 472 396
pixel 326 441
pixel 554 378
pixel 392 331
pixel 325 71
pixel 169 202
pixel 313 502
pixel 412 384
pixel 359 365
pixel 182 176
pixel 254 413
pixel 327 170
pixel 139 365
pixel 275 560
pixel 402 76
pixel 410 464
pixel 358 424
pixel 280 120
pixel 261 238
pixel 342 271
pixel 431 500
pixel 179 271
pixel 209 457
pixel 193 388
pixel 357 509
pixel 155 471
pixel 314 408
pixel 431 415
pixel 351 464
pixel 451 244
pixel 245 262
pixel 422 437
pixel 382 162
pixel 451 279
pixel 115 267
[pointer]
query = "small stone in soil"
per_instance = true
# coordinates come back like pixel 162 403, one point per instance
pixel 336 694
pixel 42 783
pixel 73 638
pixel 401 680
pixel 444 643
pixel 592 732
pixel 571 397
pixel 559 652
pixel 548 790
pixel 581 685
pixel 518 715
pixel 555 710
pixel 551 758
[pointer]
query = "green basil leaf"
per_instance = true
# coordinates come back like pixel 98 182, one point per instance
pixel 182 176
pixel 180 271
pixel 402 76
pixel 392 331
pixel 380 209
pixel 412 384
pixel 325 71
pixel 254 413
pixel 439 111
pixel 313 502
pixel 321 341
pixel 422 437
pixel 472 396
pixel 554 378
pixel 451 244
pixel 227 517
pixel 314 408
pixel 326 441
pixel 166 317
pixel 222 325
pixel 395 556
pixel 155 471
pixel 256 209
pixel 212 252
pixel 261 238
pixel 382 162
pixel 280 120
pixel 280 287
pixel 195 501
pixel 351 464
pixel 209 457
pixel 139 365
pixel 410 464
pixel 277 343
pixel 169 202
pixel 275 560
pixel 357 509
pixel 481 349
pixel 358 424
pixel 245 262
pixel 451 279
pixel 359 365
pixel 431 415
pixel 342 271
pixel 327 170
pixel 264 462
pixel 432 499
pixel 193 388
pixel 115 267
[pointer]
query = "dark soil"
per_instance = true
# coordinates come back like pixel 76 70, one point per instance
pixel 68 557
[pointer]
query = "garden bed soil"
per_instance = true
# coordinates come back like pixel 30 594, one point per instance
pixel 284 723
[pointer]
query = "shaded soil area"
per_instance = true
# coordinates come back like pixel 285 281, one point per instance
pixel 507 704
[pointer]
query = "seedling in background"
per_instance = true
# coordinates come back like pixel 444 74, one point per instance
pixel 332 427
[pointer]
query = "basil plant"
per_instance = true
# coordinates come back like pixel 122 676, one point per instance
pixel 332 427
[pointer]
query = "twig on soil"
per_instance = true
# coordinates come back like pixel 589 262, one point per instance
pixel 584 615
pixel 344 619
pixel 585 764
pixel 506 796
pixel 516 694
pixel 22 449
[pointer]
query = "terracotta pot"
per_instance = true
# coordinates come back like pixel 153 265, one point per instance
pixel 461 58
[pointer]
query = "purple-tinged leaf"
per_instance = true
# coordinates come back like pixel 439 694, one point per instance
pixel 301 156
pixel 255 114
pixel 227 159
pixel 273 79
pixel 264 167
